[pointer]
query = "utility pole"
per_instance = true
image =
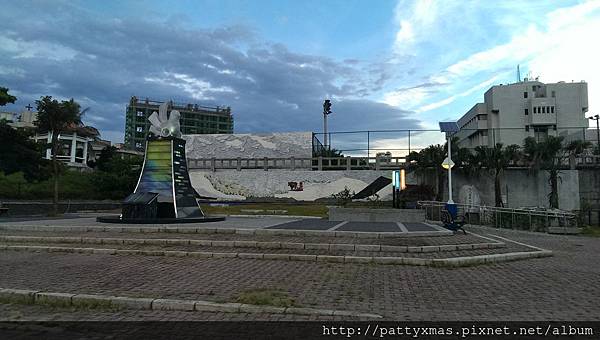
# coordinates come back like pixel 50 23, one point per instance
pixel 326 112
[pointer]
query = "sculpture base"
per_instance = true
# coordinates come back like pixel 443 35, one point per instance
pixel 118 219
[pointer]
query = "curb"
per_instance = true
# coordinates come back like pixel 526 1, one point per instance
pixel 255 244
pixel 444 262
pixel 241 231
pixel 122 302
pixel 279 216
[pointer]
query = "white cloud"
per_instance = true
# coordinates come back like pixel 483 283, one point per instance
pixel 413 20
pixel 560 46
pixel 41 49
pixel 563 26
pixel 446 101
pixel 197 88
pixel 406 98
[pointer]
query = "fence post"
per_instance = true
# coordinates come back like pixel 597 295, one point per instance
pixel 348 163
pixel 266 163
pixel 320 163
pixel 377 162
pixel 213 164
pixel 239 164
pixel 293 163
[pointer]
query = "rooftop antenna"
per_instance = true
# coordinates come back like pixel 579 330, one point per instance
pixel 518 73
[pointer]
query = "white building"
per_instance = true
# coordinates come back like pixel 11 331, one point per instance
pixel 73 148
pixel 512 112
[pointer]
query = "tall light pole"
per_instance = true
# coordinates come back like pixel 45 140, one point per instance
pixel 449 128
pixel 326 112
pixel 448 164
pixel 596 118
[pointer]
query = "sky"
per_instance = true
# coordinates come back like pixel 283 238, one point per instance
pixel 385 64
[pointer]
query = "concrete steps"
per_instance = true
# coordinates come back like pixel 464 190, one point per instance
pixel 472 249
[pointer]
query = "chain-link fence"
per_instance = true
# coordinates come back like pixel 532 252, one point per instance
pixel 399 143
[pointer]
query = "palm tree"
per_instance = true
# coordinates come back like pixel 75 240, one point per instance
pixel 546 154
pixel 425 161
pixel 495 160
pixel 55 117
pixel 575 148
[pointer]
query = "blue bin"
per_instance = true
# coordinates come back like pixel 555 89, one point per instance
pixel 452 209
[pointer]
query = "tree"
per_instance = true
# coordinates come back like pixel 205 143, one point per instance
pixel 546 154
pixel 6 98
pixel 18 153
pixel 576 147
pixel 495 160
pixel 328 153
pixel 428 160
pixel 115 177
pixel 55 117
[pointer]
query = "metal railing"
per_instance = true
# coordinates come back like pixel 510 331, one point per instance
pixel 292 163
pixel 381 162
pixel 510 218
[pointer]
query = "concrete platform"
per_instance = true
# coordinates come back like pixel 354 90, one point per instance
pixel 272 223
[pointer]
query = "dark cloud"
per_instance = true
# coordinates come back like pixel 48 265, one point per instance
pixel 69 52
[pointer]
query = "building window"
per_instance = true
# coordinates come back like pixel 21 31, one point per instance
pixel 543 109
pixel 139 129
pixel 535 109
pixel 527 128
pixel 552 109
pixel 553 94
pixel 525 94
pixel 526 112
pixel 140 113
pixel 554 127
pixel 138 145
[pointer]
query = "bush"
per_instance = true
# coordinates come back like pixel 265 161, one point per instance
pixel 116 181
pixel 343 197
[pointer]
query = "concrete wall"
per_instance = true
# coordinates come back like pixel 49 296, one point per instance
pixel 272 145
pixel 231 184
pixel 519 187
pixel 30 208
pixel 589 187
pixel 522 189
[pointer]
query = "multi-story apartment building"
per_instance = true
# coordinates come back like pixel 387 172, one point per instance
pixel 512 112
pixel 195 119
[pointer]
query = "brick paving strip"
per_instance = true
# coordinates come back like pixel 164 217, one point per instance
pixel 241 231
pixel 458 261
pixel 122 302
pixel 458 238
pixel 252 244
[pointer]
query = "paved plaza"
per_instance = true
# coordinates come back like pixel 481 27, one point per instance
pixel 560 287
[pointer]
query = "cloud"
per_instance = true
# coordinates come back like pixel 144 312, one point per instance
pixel 71 52
pixel 414 19
pixel 479 87
pixel 467 54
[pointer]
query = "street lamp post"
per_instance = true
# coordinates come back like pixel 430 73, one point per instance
pixel 448 164
pixel 450 128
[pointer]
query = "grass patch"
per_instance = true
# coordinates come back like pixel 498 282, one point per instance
pixel 591 231
pixel 318 210
pixel 266 297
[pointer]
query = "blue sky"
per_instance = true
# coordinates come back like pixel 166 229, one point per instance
pixel 385 64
